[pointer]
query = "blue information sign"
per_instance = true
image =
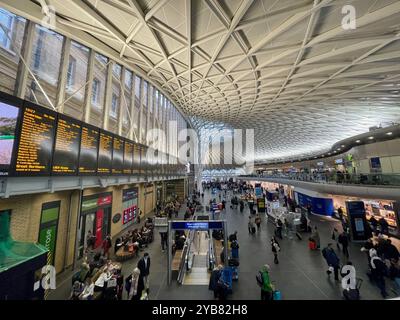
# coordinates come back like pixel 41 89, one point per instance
pixel 196 225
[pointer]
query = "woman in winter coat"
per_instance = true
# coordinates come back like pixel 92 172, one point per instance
pixel 137 285
pixel 275 249
pixel 266 289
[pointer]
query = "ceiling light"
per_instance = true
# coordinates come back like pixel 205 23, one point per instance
pixel 342 145
pixel 389 133
pixel 358 141
pixel 334 151
pixel 329 154
pixel 370 138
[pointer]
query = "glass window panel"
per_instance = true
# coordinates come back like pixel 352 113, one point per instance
pixel 76 80
pixel 151 98
pixel 98 89
pixel 138 93
pixel 115 98
pixel 11 38
pixel 145 94
pixel 45 65
pixel 126 104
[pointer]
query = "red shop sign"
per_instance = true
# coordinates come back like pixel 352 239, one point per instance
pixel 102 201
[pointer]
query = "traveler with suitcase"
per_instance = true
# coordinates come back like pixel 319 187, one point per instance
pixel 315 239
pixel 264 282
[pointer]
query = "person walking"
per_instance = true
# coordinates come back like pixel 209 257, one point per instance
pixel 378 272
pixel 315 237
pixel 332 260
pixel 107 244
pixel 136 285
pixel 374 224
pixel 164 240
pixel 335 236
pixel 275 248
pixel 144 267
pixel 257 220
pixel 266 286
pixel 344 241
pixel 251 225
pixel 279 226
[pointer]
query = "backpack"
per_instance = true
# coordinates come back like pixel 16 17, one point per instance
pixel 259 278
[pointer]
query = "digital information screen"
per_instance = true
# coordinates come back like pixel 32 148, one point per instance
pixel 89 150
pixel 36 142
pixel 197 225
pixel 66 150
pixel 105 153
pixel 8 124
pixel 128 157
pixel 118 156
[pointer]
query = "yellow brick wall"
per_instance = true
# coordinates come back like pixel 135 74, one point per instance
pixel 25 219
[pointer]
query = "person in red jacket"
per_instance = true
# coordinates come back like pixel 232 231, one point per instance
pixel 107 244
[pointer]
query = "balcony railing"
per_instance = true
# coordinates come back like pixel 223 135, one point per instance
pixel 372 179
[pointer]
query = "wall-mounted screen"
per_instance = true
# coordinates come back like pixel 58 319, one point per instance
pixel 66 150
pixel 118 156
pixel 105 153
pixel 128 157
pixel 8 125
pixel 36 141
pixel 89 150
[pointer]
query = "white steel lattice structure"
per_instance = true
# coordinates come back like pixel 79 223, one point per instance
pixel 287 68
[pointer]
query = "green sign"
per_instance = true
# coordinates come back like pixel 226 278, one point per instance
pixel 48 227
pixel 89 204
pixel 47 238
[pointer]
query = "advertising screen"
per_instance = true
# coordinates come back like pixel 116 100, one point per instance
pixel 88 150
pixel 118 156
pixel 66 150
pixel 105 153
pixel 36 141
pixel 8 123
pixel 128 157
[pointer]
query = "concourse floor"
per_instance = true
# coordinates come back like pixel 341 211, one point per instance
pixel 300 274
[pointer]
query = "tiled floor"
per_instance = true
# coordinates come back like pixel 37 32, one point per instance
pixel 300 274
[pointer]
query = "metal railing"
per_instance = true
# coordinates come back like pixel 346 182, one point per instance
pixel 374 179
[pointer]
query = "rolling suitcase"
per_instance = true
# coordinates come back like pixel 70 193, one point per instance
pixel 312 245
pixel 253 230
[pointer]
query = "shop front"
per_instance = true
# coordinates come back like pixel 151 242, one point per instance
pixel 129 207
pixel 96 218
pixel 377 208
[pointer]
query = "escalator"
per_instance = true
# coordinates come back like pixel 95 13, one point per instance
pixel 197 259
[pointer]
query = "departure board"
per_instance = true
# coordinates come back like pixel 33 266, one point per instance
pixel 89 150
pixel 36 141
pixel 128 157
pixel 66 150
pixel 118 156
pixel 105 153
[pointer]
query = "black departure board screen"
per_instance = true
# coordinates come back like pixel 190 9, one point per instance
pixel 118 156
pixel 89 150
pixel 128 157
pixel 105 153
pixel 66 150
pixel 36 141
pixel 9 115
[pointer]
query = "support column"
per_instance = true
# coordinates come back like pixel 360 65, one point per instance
pixel 26 53
pixel 62 78
pixel 89 87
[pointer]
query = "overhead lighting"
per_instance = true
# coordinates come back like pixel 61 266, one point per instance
pixel 358 141
pixel 342 145
pixel 329 154
pixel 334 151
pixel 389 133
pixel 370 138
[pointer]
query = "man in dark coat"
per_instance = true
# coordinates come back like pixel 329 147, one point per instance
pixel 332 260
pixel 144 267
pixel 344 241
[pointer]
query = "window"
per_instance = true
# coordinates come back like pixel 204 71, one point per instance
pixel 145 96
pixel 71 72
pixel 11 39
pixel 6 21
pixel 45 64
pixel 76 80
pixel 95 92
pixel 138 82
pixel 114 106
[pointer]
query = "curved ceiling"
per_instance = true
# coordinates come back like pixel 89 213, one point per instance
pixel 286 68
